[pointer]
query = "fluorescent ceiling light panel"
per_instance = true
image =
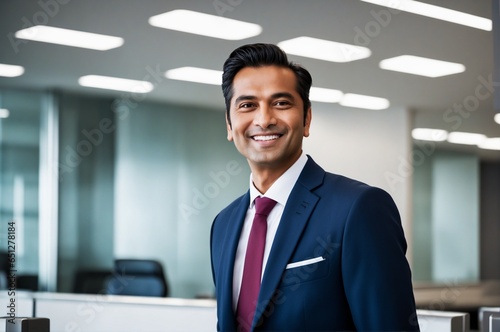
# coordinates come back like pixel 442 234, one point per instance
pixel 428 134
pixel 497 118
pixel 115 83
pixel 324 95
pixel 411 64
pixel 465 138
pixel 4 113
pixel 362 101
pixel 324 49
pixel 60 36
pixel 205 25
pixel 433 11
pixel 490 144
pixel 194 74
pixel 11 70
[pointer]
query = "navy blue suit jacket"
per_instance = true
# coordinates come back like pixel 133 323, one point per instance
pixel 359 280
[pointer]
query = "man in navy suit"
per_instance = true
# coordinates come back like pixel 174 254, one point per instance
pixel 334 257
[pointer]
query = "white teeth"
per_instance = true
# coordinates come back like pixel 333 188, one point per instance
pixel 266 137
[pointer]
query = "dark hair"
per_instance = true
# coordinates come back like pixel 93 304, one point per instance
pixel 258 55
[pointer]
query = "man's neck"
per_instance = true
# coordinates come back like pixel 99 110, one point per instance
pixel 263 180
pixel 264 176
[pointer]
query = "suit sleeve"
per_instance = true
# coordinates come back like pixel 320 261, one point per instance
pixel 212 251
pixel 376 274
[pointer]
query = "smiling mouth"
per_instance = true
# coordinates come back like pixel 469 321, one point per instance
pixel 265 137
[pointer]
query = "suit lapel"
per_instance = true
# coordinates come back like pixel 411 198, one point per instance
pixel 299 208
pixel 231 243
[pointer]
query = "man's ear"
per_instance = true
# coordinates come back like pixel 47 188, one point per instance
pixel 229 129
pixel 307 122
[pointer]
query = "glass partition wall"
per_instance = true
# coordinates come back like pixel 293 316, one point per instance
pixel 20 124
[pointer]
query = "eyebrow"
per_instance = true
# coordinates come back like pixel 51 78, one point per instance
pixel 283 95
pixel 273 96
pixel 240 98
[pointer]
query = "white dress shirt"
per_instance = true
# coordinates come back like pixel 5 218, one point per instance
pixel 279 191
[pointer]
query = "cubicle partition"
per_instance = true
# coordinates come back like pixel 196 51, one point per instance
pixel 443 321
pixel 487 315
pixel 94 313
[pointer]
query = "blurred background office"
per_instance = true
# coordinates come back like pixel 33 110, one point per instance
pixel 91 173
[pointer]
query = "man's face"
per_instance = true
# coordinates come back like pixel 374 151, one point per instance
pixel 267 117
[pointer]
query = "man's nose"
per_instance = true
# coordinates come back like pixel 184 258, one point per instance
pixel 265 116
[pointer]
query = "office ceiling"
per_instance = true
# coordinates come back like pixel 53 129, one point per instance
pixel 149 51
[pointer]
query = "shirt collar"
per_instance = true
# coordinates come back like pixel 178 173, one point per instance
pixel 282 187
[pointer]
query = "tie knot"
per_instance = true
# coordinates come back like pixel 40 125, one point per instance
pixel 264 205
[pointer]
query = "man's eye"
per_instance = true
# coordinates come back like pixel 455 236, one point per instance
pixel 282 103
pixel 246 105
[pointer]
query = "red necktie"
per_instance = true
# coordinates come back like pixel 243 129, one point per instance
pixel 252 271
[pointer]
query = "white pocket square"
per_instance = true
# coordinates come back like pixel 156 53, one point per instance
pixel 305 262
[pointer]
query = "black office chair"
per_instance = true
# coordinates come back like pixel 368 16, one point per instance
pixel 4 270
pixel 137 277
pixel 27 282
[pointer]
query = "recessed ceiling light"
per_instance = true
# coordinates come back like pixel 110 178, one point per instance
pixel 205 24
pixel 4 113
pixel 11 70
pixel 428 134
pixel 490 144
pixel 325 95
pixel 440 13
pixel 60 36
pixel 497 118
pixel 324 49
pixel 115 83
pixel 458 137
pixel 416 65
pixel 362 101
pixel 194 74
